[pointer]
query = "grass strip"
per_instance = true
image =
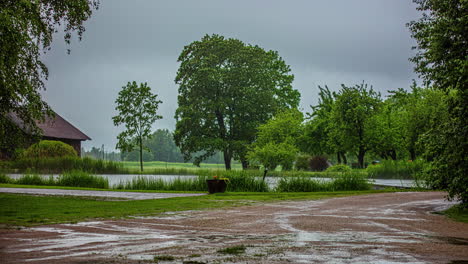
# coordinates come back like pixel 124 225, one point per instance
pixel 31 210
pixel 457 213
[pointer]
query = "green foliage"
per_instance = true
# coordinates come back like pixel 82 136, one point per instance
pixel 276 142
pixel 302 162
pixel 457 213
pixel 226 90
pixel 352 118
pixel 49 149
pixel 78 178
pixel 158 258
pixel 235 250
pixel 393 169
pixel 58 165
pixel 442 45
pixel 4 178
pixel 179 184
pixel 318 163
pixel 137 108
pixel 342 182
pixel 339 168
pixel 27 29
pixel 72 179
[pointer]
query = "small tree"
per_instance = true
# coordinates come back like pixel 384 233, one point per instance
pixel 137 108
pixel 277 140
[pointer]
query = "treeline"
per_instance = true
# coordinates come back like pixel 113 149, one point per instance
pixel 353 123
pixel 358 121
pixel 160 146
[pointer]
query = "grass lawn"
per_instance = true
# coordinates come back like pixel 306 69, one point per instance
pixel 457 213
pixel 30 210
pixel 151 165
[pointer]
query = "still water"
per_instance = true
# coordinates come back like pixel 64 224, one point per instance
pixel 115 179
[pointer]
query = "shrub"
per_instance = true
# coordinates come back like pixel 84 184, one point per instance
pixel 318 163
pixel 49 149
pixel 339 168
pixel 302 162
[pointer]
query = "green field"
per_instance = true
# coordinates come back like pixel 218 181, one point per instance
pixel 153 165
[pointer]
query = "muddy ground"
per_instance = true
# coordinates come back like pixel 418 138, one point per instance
pixel 377 228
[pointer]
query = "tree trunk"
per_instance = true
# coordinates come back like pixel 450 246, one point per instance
pixel 141 155
pixel 245 164
pixel 412 154
pixel 343 157
pixel 361 155
pixel 393 154
pixel 227 159
pixel 338 156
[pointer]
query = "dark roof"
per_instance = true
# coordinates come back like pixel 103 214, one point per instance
pixel 53 127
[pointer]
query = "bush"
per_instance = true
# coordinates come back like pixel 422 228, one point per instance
pixel 49 149
pixel 302 162
pixel 318 163
pixel 339 168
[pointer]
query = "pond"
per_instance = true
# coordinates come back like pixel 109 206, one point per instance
pixel 115 179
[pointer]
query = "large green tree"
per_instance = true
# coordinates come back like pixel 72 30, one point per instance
pixel 442 61
pixel 226 90
pixel 26 31
pixel 353 119
pixel 137 108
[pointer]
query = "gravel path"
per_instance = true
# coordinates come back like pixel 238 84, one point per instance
pixel 109 195
pixel 377 228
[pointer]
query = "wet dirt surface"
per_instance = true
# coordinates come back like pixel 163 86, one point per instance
pixel 377 228
pixel 108 195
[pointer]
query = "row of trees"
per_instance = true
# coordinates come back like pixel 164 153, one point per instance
pixel 353 122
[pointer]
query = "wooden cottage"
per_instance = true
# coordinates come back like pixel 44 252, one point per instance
pixel 56 128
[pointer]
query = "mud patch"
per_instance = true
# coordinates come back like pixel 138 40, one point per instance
pixel 382 228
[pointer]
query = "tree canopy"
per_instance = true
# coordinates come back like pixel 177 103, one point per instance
pixel 137 108
pixel 442 61
pixel 226 90
pixel 277 140
pixel 26 30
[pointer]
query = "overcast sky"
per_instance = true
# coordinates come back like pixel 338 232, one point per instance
pixel 327 42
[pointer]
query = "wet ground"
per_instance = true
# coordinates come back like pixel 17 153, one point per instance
pixel 377 228
pixel 108 195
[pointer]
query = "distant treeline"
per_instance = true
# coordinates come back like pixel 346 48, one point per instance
pixel 160 147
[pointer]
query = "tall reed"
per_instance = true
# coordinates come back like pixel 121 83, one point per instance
pixel 342 182
pixel 400 169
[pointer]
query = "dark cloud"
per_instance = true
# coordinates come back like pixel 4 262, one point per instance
pixel 325 42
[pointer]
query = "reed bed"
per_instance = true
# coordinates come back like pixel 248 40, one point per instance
pixel 63 164
pixel 70 179
pixel 390 169
pixel 342 182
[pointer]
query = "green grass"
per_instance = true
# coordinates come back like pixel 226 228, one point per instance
pixel 72 178
pixel 341 182
pixel 457 213
pixel 30 210
pixel 236 250
pixel 158 258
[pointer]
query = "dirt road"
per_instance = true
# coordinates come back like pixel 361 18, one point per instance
pixel 378 228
